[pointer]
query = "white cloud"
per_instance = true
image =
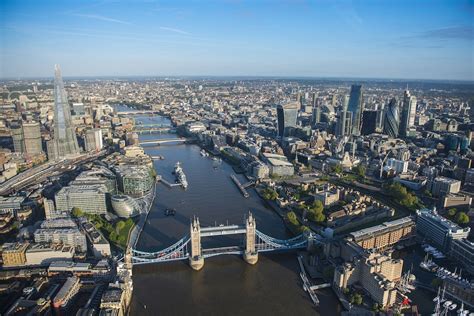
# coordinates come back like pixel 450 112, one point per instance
pixel 102 18
pixel 171 29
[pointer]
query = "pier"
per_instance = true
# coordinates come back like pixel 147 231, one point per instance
pixel 307 285
pixel 240 186
pixel 159 178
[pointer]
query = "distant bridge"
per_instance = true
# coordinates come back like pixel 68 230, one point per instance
pixel 189 247
pixel 163 141
pixel 138 112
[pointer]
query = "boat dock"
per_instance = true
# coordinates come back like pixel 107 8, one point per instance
pixel 239 185
pixel 307 284
pixel 160 178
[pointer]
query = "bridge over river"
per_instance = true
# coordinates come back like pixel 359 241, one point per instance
pixel 189 247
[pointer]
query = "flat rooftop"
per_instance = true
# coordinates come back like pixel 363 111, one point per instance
pixel 378 229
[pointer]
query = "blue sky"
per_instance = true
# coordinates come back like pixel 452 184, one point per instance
pixel 417 39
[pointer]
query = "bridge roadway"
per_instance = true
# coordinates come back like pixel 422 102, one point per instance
pixel 163 141
pixel 138 112
pixel 222 230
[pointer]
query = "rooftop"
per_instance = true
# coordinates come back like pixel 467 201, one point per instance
pixel 382 227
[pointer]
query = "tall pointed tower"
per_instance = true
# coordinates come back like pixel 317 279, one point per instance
pixel 65 140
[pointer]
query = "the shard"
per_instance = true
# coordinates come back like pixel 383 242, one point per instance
pixel 65 140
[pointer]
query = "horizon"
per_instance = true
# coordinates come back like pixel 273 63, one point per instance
pixel 399 40
pixel 241 77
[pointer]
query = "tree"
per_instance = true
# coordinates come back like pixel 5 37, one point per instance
pixel 77 212
pixel 291 217
pixel 356 299
pixel 120 225
pixel 317 206
pixel 462 218
pixel 452 212
pixel 359 170
pixel 269 194
pixel 337 169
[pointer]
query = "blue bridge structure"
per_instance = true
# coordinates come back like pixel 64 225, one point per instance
pixel 189 247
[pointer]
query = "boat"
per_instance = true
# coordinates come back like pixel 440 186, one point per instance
pixel 447 303
pixel 428 265
pixel 170 212
pixel 452 306
pixel 180 176
pixel 204 153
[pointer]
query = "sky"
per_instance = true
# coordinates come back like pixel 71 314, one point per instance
pixel 414 39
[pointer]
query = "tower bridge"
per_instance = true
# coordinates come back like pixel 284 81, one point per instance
pixel 189 247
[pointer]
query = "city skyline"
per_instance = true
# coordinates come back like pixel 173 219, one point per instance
pixel 316 39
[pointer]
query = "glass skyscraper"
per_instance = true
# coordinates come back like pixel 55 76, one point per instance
pixel 408 114
pixel 287 115
pixel 356 106
pixel 65 140
pixel 391 119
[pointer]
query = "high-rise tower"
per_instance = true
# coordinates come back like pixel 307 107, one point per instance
pixel 408 114
pixel 356 106
pixel 287 116
pixel 391 121
pixel 65 140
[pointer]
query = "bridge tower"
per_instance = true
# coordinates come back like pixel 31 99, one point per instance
pixel 250 254
pixel 196 260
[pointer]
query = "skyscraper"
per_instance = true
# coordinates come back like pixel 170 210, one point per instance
pixel 316 110
pixel 65 140
pixel 356 106
pixel 27 138
pixel 369 122
pixel 17 137
pixel 287 115
pixel 408 114
pixel 344 124
pixel 32 138
pixel 93 139
pixel 391 120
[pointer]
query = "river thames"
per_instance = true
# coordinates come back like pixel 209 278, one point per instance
pixel 227 285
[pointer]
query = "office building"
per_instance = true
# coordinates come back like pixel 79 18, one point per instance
pixel 32 138
pixel 134 180
pixel 356 106
pixel 78 109
pixel 65 140
pixel 287 116
pixel 344 124
pixel 407 121
pixel 438 230
pixel 441 186
pixel 49 209
pixel 391 119
pixel 11 204
pixel 385 235
pixel 462 250
pixel 399 166
pixel 369 122
pixel 97 176
pixel 17 137
pixel 14 254
pixel 44 254
pixel 88 198
pixel 70 236
pixel 93 139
